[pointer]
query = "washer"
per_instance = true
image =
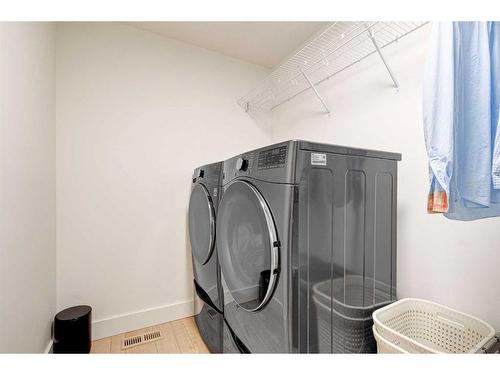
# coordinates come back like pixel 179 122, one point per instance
pixel 306 238
pixel 202 220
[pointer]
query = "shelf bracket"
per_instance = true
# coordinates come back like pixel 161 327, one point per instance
pixel 381 54
pixel 315 91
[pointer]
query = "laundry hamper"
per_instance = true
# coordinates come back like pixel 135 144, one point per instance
pixel 385 346
pixel 417 326
pixel 346 313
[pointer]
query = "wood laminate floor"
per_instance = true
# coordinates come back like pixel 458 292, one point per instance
pixel 179 336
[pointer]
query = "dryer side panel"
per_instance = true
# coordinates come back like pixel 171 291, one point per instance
pixel 347 249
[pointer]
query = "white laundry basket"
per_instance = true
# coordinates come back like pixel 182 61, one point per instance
pixel 385 346
pixel 417 326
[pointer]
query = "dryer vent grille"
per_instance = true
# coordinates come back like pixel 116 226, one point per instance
pixel 130 342
pixel 150 336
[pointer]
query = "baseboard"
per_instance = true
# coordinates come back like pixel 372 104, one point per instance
pixel 115 325
pixel 48 348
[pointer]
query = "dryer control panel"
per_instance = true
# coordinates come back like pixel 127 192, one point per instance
pixel 272 164
pixel 272 158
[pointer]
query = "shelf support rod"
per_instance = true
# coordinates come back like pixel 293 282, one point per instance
pixel 381 54
pixel 315 91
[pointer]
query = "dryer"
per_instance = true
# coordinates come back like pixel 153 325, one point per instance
pixel 306 237
pixel 203 203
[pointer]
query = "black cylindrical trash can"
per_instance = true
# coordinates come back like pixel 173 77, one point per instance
pixel 72 330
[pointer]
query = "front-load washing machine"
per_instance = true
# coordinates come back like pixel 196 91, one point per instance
pixel 306 237
pixel 202 218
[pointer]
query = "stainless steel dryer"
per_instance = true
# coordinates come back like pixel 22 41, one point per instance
pixel 202 218
pixel 306 237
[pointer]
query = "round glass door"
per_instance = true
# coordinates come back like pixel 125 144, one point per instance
pixel 201 224
pixel 248 245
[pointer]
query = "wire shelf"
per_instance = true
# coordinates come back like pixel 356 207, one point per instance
pixel 339 46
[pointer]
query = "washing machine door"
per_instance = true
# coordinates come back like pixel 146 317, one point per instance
pixel 201 223
pixel 248 245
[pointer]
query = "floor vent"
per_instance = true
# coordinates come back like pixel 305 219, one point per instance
pixel 150 336
pixel 130 342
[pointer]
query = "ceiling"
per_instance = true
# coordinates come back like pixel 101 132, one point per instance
pixel 261 43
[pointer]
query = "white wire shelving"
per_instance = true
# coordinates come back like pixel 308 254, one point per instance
pixel 336 48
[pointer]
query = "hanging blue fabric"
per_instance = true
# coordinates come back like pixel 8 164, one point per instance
pixel 461 120
pixel 495 102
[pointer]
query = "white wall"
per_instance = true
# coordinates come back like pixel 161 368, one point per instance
pixel 450 262
pixel 27 186
pixel 136 113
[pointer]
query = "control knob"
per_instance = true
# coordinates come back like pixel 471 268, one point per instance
pixel 241 164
